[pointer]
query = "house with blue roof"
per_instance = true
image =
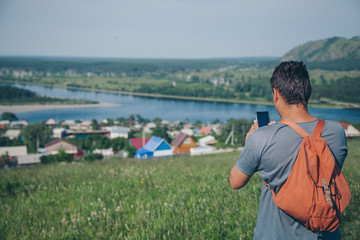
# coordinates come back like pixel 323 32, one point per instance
pixel 155 147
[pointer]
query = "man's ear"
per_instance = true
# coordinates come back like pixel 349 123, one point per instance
pixel 275 95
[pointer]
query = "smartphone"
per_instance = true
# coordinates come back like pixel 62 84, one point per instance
pixel 262 118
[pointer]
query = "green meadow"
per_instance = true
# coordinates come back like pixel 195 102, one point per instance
pixel 176 198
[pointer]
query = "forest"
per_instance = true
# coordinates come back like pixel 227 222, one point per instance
pixel 13 95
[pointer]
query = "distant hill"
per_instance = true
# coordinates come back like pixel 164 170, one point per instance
pixel 335 53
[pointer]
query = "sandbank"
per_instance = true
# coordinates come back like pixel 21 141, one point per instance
pixel 36 107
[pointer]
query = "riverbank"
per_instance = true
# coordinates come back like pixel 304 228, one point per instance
pixel 323 103
pixel 36 107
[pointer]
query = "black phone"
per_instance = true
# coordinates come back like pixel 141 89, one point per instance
pixel 262 118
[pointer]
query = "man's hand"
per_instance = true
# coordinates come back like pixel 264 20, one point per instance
pixel 252 129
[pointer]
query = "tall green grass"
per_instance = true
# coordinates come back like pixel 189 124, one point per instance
pixel 177 198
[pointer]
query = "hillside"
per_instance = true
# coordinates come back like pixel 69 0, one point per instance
pixel 175 198
pixel 333 53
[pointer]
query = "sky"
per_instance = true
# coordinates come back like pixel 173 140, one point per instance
pixel 170 28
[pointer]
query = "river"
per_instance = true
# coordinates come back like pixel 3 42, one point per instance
pixel 166 109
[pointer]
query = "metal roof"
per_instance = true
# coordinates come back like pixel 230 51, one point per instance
pixel 179 140
pixel 153 143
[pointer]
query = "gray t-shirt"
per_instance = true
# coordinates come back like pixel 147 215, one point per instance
pixel 272 151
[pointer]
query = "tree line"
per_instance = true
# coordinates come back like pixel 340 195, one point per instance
pixel 345 89
pixel 11 95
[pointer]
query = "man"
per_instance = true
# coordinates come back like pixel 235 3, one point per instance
pixel 271 150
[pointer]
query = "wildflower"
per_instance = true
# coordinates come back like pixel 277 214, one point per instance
pixel 99 199
pixel 117 209
pixel 63 220
pixel 165 204
pixel 89 219
pixel 148 212
pixel 104 209
pixel 132 206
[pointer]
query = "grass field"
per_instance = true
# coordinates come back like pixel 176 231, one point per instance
pixel 177 198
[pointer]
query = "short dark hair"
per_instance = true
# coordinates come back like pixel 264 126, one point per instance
pixel 292 81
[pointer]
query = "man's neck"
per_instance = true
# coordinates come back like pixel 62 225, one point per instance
pixel 296 113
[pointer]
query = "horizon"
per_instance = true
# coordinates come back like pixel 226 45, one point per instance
pixel 138 58
pixel 173 29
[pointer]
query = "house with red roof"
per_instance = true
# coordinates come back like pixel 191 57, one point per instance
pixel 138 142
pixel 205 130
pixel 182 144
pixel 350 130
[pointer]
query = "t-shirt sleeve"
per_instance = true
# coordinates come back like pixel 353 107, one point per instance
pixel 248 161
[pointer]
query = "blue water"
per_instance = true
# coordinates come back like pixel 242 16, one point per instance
pixel 166 109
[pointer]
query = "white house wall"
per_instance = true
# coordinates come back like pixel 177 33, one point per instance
pixel 163 153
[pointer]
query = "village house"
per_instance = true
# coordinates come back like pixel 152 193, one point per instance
pixel 86 124
pixel 19 155
pixel 51 123
pixel 174 124
pixel 136 127
pixel 29 159
pixel 84 134
pixel 12 134
pixel 183 143
pixel 187 131
pixel 350 130
pixel 173 133
pixel 4 124
pixel 139 142
pixel 205 130
pixel 117 131
pixel 14 151
pixel 216 128
pixel 104 121
pixel 19 123
pixel 156 147
pixel 68 123
pixel 55 146
pixel 201 150
pixel 207 141
pixel 149 127
pixel 58 132
pixel 188 126
pixel 165 122
pixel 105 152
pixel 130 122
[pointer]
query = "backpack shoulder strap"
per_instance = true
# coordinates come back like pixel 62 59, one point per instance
pixel 295 127
pixel 319 127
pixel 316 133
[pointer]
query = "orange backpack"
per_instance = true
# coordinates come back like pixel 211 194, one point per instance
pixel 316 192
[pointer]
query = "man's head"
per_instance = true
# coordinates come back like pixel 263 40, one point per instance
pixel 292 81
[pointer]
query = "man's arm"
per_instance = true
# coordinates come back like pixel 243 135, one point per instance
pixel 238 179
